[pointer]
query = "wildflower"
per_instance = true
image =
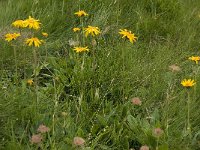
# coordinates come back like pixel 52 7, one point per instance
pixel 19 23
pixel 78 141
pixel 92 30
pixel 188 83
pixel 36 139
pixel 43 129
pixel 144 147
pixel 81 13
pixel 32 23
pixel 11 36
pixel 136 101
pixel 81 49
pixel 33 41
pixel 45 34
pixel 174 68
pixel 30 81
pixel 157 132
pixel 195 58
pixel 76 29
pixel 127 34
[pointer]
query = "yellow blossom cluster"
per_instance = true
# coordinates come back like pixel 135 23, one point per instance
pixel 93 31
pixel 127 34
pixel 189 82
pixel 30 23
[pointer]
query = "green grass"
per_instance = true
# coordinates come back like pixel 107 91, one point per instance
pixel 96 96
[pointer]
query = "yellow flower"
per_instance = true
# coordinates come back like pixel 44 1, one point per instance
pixel 33 42
pixel 81 49
pixel 127 34
pixel 32 23
pixel 92 30
pixel 81 13
pixel 195 58
pixel 76 29
pixel 11 36
pixel 188 83
pixel 30 81
pixel 19 24
pixel 45 34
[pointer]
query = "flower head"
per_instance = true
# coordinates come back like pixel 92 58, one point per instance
pixel 78 141
pixel 144 147
pixel 127 34
pixel 195 58
pixel 43 129
pixel 32 23
pixel 174 68
pixel 81 13
pixel 30 81
pixel 36 139
pixel 45 34
pixel 76 29
pixel 188 83
pixel 92 30
pixel 19 23
pixel 136 101
pixel 157 132
pixel 11 36
pixel 33 42
pixel 81 49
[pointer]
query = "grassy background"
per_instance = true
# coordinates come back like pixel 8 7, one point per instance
pixel 97 101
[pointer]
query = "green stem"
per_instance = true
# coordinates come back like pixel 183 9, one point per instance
pixel 157 143
pixel 35 76
pixel 188 114
pixel 63 4
pixel 123 70
pixel 15 55
pixel 55 108
pixel 82 27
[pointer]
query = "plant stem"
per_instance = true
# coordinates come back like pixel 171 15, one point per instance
pixel 15 55
pixel 35 76
pixel 63 4
pixel 55 108
pixel 188 114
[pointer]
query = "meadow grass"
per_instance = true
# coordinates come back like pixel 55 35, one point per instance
pixel 90 95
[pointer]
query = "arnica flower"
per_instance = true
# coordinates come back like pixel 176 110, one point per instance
pixel 45 34
pixel 36 139
pixel 136 101
pixel 76 29
pixel 30 81
pixel 43 129
pixel 127 34
pixel 144 147
pixel 81 49
pixel 81 13
pixel 92 30
pixel 78 141
pixel 11 36
pixel 188 83
pixel 19 23
pixel 32 23
pixel 33 42
pixel 195 58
